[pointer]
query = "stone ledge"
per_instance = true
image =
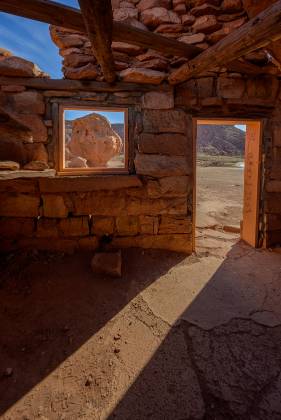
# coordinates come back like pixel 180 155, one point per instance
pixel 89 183
pixel 27 174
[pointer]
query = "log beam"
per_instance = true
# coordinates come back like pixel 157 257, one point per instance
pixel 258 32
pixel 98 19
pixel 76 86
pixel 68 17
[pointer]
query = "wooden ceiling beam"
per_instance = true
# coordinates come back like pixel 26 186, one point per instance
pixel 258 32
pixel 71 18
pixel 98 20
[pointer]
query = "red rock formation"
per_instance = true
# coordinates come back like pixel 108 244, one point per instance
pixel 94 139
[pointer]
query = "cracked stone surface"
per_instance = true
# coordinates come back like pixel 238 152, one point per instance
pixel 176 337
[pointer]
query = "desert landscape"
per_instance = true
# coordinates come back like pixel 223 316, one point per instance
pixel 219 177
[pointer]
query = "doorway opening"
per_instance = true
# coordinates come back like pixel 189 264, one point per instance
pixel 227 172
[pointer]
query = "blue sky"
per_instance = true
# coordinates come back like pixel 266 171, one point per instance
pixel 113 117
pixel 31 40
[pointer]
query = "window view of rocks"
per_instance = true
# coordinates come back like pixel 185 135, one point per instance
pixel 94 139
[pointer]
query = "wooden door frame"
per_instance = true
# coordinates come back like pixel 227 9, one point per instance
pixel 221 121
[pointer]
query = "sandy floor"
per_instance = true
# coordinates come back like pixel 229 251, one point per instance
pixel 176 337
pixel 219 196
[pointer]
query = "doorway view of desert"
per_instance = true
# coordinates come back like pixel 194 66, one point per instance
pixel 219 183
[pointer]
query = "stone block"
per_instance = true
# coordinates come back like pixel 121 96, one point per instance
pixel 192 38
pixel 174 224
pixel 273 203
pixel 263 87
pixel 231 87
pixel 12 88
pixel 148 225
pixel 54 206
pixel 142 75
pixel 273 222
pixel 157 16
pixel 19 67
pixel 19 205
pixel 13 227
pixel 149 4
pixel 90 243
pixel 188 20
pixel 107 263
pixel 178 243
pixel 276 131
pixel 205 87
pixel 187 93
pixel 273 186
pixel 88 72
pixel 74 226
pixel 166 121
pixel 47 228
pixel 34 124
pixel 231 6
pixel 205 9
pixel 9 165
pixel 28 102
pixel 19 185
pixel 99 204
pixel 103 225
pixel 127 225
pixel 174 186
pixel 152 207
pixel 125 13
pixel 84 184
pixel 206 24
pixel 164 144
pixel 158 100
pixel 161 165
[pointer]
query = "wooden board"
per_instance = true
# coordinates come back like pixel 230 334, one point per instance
pixel 252 183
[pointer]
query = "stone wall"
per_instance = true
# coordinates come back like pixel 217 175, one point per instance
pixel 200 23
pixel 151 207
pixel 232 95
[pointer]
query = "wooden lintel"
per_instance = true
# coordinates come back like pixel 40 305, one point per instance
pixel 258 32
pixel 98 20
pixel 77 85
pixel 71 18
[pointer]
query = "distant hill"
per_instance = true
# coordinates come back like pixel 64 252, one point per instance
pixel 119 129
pixel 222 140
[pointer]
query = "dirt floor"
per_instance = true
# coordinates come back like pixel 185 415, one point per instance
pixel 219 196
pixel 176 337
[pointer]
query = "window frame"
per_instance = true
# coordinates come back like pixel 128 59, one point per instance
pixel 61 141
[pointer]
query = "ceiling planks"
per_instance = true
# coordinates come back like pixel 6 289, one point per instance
pixel 258 32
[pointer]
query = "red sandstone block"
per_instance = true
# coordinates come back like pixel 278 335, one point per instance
pixel 19 205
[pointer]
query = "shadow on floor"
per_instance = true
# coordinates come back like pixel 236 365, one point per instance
pixel 50 307
pixel 212 326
